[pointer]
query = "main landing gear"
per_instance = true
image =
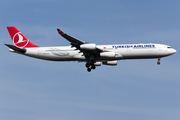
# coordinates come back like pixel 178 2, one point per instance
pixel 90 65
pixel 158 62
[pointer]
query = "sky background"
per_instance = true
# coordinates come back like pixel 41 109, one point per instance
pixel 33 89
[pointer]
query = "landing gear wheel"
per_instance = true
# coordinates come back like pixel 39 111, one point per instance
pixel 89 69
pixel 87 65
pixel 93 67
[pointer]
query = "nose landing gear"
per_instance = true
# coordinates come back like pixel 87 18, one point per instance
pixel 158 62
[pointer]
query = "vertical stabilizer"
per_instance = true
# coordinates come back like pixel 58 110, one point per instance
pixel 19 39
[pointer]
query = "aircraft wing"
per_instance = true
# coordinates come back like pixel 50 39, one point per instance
pixel 73 41
pixel 80 45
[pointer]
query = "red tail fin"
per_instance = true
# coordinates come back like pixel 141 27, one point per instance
pixel 19 39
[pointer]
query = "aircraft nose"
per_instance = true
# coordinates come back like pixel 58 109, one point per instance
pixel 173 51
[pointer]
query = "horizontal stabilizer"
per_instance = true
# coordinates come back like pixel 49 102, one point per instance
pixel 20 50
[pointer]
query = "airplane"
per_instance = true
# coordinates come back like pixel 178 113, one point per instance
pixel 90 53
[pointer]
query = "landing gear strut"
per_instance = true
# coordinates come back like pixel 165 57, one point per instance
pixel 158 61
pixel 90 61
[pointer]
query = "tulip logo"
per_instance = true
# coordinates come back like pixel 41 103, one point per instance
pixel 19 40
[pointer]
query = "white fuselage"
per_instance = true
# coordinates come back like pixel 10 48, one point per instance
pixel 122 51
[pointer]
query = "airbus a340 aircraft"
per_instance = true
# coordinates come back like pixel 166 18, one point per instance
pixel 90 53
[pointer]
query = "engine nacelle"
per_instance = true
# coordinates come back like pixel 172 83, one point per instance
pixel 97 63
pixel 113 63
pixel 108 54
pixel 88 46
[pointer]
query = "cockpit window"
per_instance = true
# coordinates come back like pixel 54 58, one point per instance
pixel 169 47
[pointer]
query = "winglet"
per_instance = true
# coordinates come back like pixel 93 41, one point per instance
pixel 59 31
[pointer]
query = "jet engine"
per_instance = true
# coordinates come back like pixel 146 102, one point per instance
pixel 112 63
pixel 108 54
pixel 88 46
pixel 97 63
